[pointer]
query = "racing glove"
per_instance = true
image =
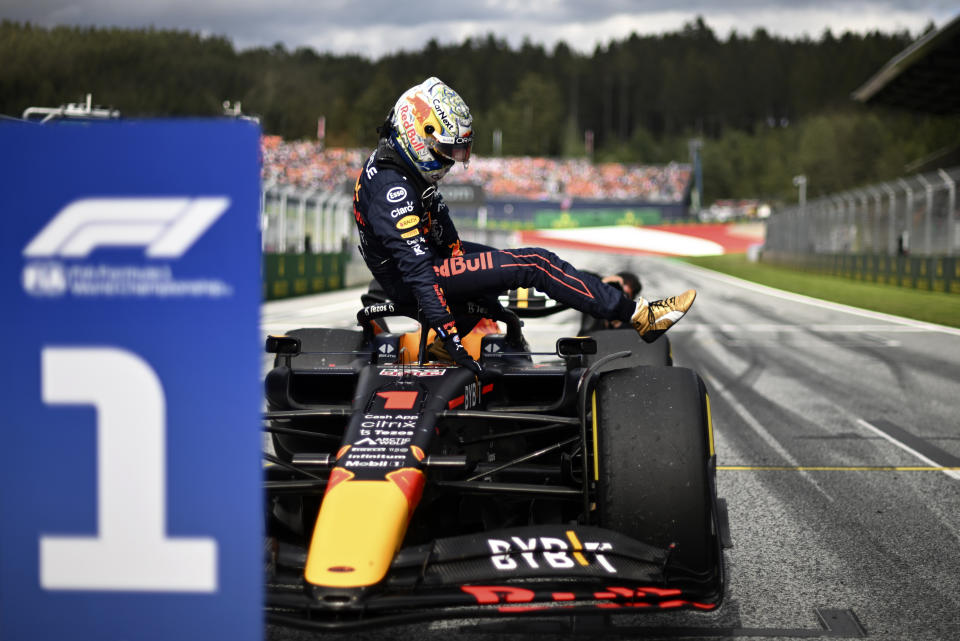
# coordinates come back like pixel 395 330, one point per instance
pixel 447 334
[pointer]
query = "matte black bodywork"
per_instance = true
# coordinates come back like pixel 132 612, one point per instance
pixel 508 522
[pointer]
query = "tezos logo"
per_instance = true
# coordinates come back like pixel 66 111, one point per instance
pixel 166 228
pixel 396 194
pixel 380 308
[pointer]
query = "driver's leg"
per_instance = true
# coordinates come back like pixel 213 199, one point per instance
pixel 486 273
pixel 489 273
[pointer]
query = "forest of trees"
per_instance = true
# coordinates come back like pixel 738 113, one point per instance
pixel 766 108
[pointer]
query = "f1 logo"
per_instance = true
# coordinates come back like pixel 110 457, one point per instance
pixel 166 227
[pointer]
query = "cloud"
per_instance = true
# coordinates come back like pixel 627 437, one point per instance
pixel 585 32
pixel 376 27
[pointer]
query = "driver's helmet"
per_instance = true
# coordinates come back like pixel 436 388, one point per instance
pixel 432 128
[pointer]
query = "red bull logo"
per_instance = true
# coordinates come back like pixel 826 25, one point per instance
pixel 421 109
pixel 459 264
pixel 410 130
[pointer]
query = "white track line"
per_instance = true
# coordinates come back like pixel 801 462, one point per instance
pixel 802 328
pixel 816 302
pixel 906 448
pixel 329 307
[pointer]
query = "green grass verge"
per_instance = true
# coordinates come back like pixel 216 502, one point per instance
pixel 933 307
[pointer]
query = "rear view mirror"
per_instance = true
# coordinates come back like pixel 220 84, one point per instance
pixel 289 345
pixel 576 346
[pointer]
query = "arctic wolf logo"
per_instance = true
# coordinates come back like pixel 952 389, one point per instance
pixel 165 227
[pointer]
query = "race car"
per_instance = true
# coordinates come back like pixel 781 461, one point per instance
pixel 402 489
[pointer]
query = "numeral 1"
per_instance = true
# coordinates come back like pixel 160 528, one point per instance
pixel 131 550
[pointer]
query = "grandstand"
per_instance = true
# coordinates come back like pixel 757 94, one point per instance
pixel 308 235
pixel 305 166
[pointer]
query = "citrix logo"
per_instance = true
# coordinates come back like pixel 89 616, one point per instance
pixel 165 226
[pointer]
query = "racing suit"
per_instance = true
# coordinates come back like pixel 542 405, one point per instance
pixel 412 248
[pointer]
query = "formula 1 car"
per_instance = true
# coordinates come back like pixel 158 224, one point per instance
pixel 403 490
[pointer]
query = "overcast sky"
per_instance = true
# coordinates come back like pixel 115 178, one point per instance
pixel 376 27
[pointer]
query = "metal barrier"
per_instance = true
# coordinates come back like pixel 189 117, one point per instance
pixel 286 275
pixel 909 216
pixel 309 242
pixel 308 238
pixel 930 273
pixel 298 222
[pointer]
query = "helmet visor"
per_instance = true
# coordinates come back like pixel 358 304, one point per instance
pixel 457 149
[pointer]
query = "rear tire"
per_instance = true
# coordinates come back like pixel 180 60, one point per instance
pixel 656 464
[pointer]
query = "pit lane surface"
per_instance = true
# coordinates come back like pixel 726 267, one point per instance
pixel 835 432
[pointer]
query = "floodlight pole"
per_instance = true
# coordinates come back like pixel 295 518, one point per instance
pixel 891 214
pixel 928 216
pixel 877 196
pixel 851 216
pixel 951 209
pixel 907 214
pixel 800 182
pixel 839 209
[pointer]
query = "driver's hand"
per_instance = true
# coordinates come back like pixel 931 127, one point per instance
pixel 460 355
pixel 449 337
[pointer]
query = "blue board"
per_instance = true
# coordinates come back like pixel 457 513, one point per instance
pixel 130 490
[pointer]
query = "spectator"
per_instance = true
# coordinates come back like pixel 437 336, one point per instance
pixel 305 166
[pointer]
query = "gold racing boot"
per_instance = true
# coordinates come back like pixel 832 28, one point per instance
pixel 657 316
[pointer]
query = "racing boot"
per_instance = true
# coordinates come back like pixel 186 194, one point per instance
pixel 655 317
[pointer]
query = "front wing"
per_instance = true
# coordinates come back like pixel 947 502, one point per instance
pixel 546 570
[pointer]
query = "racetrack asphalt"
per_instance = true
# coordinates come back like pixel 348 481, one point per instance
pixel 835 433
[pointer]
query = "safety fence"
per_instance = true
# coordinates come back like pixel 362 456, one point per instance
pixel 307 238
pixel 931 273
pixel 298 222
pixel 902 232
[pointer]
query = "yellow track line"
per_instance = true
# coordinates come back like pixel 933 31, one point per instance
pixel 812 468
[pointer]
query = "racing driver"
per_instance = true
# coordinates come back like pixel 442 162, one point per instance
pixel 412 248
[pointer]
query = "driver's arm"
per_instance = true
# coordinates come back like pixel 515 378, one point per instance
pixel 397 223
pixel 443 232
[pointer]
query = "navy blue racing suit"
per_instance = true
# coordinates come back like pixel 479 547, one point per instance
pixel 412 248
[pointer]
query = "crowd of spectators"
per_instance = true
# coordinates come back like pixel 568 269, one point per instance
pixel 304 165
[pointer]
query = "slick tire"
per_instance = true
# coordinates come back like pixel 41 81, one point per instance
pixel 655 462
